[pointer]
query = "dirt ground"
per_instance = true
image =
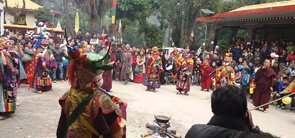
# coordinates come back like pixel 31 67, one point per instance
pixel 38 114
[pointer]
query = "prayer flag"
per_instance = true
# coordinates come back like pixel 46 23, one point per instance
pixel 77 23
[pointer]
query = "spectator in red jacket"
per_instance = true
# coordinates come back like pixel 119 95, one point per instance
pixel 291 56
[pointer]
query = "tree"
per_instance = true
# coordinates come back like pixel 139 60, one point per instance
pixel 154 36
pixel 69 19
pixel 96 9
pixel 43 15
pixel 137 11
pixel 17 12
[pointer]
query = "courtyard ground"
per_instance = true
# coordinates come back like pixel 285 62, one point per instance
pixel 38 114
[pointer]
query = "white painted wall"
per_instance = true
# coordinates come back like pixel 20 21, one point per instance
pixel 30 19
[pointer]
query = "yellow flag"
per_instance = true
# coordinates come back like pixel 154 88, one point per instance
pixel 77 23
pixel 113 19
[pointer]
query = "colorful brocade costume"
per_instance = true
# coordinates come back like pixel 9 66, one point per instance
pixel 8 84
pixel 185 68
pixel 87 110
pixel 101 113
pixel 43 81
pixel 42 76
pixel 153 71
pixel 225 74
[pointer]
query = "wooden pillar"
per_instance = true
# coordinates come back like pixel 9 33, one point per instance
pixel 250 31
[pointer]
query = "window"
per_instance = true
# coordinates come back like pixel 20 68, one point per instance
pixel 21 19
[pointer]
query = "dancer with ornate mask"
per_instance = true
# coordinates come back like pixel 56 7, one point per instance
pixel 88 110
pixel 153 71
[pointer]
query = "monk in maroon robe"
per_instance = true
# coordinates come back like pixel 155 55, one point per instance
pixel 206 80
pixel 263 81
pixel 107 75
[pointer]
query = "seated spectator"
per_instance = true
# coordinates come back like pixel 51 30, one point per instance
pixel 231 117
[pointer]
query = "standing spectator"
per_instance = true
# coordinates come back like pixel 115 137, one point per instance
pixel 134 57
pixel 107 75
pixel 140 67
pixel 264 53
pixel 117 69
pixel 58 54
pixel 263 81
pixel 126 65
pixel 53 68
pixel 162 77
pixel 30 64
pixel 245 80
pixel 197 70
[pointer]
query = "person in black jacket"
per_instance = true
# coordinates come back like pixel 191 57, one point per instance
pixel 231 117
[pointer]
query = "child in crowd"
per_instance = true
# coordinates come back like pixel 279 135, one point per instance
pixel 245 80
pixel 283 84
pixel 53 68
pixel 238 75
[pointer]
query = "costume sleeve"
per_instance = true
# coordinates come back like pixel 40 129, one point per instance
pixel 61 128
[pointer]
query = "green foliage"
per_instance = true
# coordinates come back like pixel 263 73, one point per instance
pixel 154 36
pixel 134 9
pixel 131 34
pixel 43 15
pixel 225 36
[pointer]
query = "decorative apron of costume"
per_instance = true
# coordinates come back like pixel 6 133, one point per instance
pixel 8 90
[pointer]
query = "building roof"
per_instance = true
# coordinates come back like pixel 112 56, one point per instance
pixel 30 5
pixel 267 11
pixel 265 5
pixel 24 27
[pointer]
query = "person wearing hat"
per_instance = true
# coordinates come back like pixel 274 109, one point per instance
pixel 184 74
pixel 43 80
pixel 225 74
pixel 87 110
pixel 153 71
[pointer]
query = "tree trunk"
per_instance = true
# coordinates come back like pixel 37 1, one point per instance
pixel 23 12
pixel 143 30
pixel 69 25
pixel 92 24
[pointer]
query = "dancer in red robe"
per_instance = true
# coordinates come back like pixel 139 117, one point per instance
pixel 206 80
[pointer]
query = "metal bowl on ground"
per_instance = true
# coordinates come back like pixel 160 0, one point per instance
pixel 162 119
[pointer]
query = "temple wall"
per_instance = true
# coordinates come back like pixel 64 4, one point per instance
pixel 30 19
